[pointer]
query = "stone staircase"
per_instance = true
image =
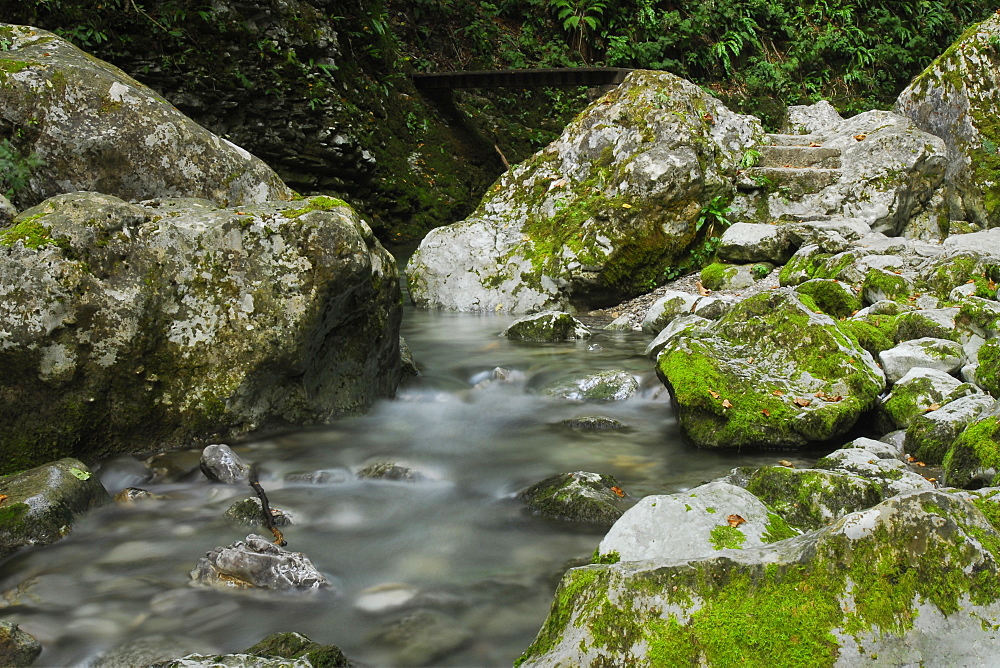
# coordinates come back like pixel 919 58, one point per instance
pixel 795 165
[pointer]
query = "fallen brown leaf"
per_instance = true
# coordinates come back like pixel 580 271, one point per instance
pixel 702 290
pixel 726 403
pixel 766 413
pixel 860 137
pixel 785 462
pixel 932 407
pixel 778 393
pixel 715 395
pixel 735 520
pixel 619 491
pixel 799 401
pixel 921 464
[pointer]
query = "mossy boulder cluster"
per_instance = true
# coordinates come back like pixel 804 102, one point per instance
pixel 599 214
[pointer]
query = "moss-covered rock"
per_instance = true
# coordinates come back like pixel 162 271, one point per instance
pixel 955 99
pixel 974 457
pixel 938 323
pixel 547 326
pixel 911 578
pixel 928 352
pixel 632 184
pixel 873 332
pixel 601 386
pixel 95 128
pixel 922 390
pixel 988 371
pixel 833 297
pixel 17 647
pixel 149 326
pixel 291 645
pixel 930 435
pixel 771 373
pixel 811 498
pixel 42 503
pixel 590 498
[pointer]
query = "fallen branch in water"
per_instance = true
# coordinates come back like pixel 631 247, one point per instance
pixel 266 507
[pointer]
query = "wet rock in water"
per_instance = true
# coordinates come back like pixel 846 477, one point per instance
pixel 292 645
pixel 547 326
pixel 695 523
pixel 131 495
pixel 871 584
pixel 232 661
pixel 117 473
pixel 329 477
pixel 17 647
pixel 250 512
pixel 257 563
pixel 385 598
pixel 388 471
pixel 592 498
pixel 42 503
pixel 423 636
pixel 603 386
pixel 149 651
pixel 406 361
pixel 220 464
pixel 593 423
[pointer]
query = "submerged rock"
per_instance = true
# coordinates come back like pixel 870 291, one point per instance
pixel 602 386
pixel 422 637
pixel 600 213
pixel 592 498
pixel 388 471
pixel 96 128
pixel 17 647
pixel 250 512
pixel 42 503
pixel 871 584
pixel 593 423
pixel 257 563
pixel 130 328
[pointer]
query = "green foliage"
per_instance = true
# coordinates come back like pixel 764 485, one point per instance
pixel 580 17
pixel 15 169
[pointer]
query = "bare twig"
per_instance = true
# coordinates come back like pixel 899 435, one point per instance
pixel 266 507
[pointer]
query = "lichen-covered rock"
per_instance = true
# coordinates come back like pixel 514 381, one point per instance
pixel 927 352
pixel 806 119
pixel 955 99
pixel 592 498
pixel 922 390
pixel 600 213
pixel 935 323
pixel 601 386
pixel 771 373
pixel 930 435
pixel 692 524
pixel 257 563
pixel 811 498
pixel 872 584
pixel 96 128
pixel 546 326
pixel 42 503
pixel 973 459
pixel 131 328
pixel 17 647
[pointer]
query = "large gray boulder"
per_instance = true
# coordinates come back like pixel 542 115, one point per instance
pixel 130 328
pixel 98 129
pixel 871 584
pixel 41 504
pixel 955 99
pixel 771 373
pixel 600 213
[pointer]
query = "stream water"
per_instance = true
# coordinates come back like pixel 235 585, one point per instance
pixel 476 571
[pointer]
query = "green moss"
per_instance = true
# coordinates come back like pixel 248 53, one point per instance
pixel 31 233
pixel 725 536
pixel 777 529
pixel 832 297
pixel 988 373
pixel 612 557
pixel 873 333
pixel 317 203
pixel 809 499
pixel 882 284
pixel 715 275
pixel 976 450
pixel 12 517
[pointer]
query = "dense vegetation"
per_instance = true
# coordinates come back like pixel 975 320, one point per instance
pixel 430 163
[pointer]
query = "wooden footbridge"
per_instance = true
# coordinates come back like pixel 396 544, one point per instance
pixel 563 76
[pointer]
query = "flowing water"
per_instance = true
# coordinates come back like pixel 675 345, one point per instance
pixel 447 571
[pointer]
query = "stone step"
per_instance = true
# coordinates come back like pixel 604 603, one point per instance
pixel 794 140
pixel 799 156
pixel 793 181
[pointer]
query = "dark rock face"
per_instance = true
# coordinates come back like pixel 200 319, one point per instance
pixel 129 328
pixel 17 648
